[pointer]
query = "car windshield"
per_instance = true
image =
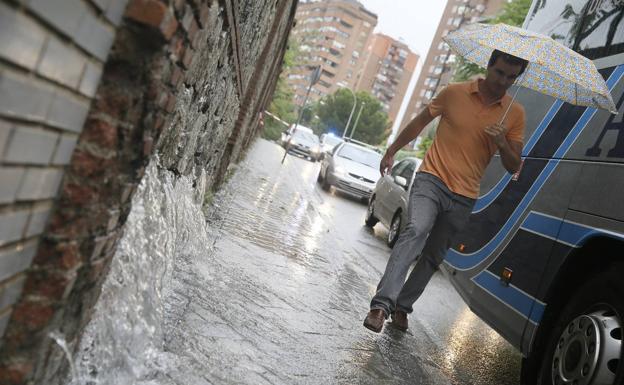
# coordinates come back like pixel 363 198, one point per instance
pixel 360 155
pixel 332 140
pixel 306 136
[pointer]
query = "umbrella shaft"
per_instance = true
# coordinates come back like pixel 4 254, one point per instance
pixel 510 104
pixel 515 94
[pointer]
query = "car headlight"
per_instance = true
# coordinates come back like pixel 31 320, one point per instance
pixel 316 149
pixel 293 142
pixel 340 170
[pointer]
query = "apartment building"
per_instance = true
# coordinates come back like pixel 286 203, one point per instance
pixel 335 35
pixel 436 70
pixel 386 72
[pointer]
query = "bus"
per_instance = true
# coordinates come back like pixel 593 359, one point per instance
pixel 542 260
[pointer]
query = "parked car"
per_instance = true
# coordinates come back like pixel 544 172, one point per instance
pixel 305 144
pixel 351 168
pixel 388 203
pixel 328 142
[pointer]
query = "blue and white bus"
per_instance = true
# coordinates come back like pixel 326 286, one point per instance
pixel 542 260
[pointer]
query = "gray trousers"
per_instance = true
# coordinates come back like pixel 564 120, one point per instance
pixel 435 215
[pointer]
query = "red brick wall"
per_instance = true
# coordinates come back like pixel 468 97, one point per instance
pixel 184 80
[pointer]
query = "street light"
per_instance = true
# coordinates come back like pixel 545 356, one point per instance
pixel 314 78
pixel 344 133
pixel 357 119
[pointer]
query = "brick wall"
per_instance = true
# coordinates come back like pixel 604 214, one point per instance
pixel 90 90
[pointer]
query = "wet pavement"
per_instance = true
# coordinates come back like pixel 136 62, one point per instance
pixel 281 292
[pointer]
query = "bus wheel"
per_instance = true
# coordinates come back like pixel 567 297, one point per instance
pixel 585 343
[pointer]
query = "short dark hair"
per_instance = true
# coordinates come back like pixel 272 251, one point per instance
pixel 511 59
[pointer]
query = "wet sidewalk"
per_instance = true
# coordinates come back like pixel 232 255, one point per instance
pixel 281 293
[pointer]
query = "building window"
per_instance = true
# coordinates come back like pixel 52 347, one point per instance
pixel 324 83
pixel 338 44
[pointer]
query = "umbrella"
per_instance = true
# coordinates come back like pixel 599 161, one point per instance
pixel 553 68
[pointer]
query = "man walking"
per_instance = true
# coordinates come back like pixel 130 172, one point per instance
pixel 447 184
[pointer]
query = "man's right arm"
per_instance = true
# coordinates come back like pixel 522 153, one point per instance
pixel 409 133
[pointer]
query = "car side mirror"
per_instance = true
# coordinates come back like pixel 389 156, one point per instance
pixel 400 181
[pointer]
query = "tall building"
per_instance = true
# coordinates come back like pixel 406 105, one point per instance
pixel 386 72
pixel 436 70
pixel 333 34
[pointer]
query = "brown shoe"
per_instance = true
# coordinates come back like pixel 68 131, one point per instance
pixel 399 320
pixel 375 320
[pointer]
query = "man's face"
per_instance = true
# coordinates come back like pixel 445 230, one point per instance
pixel 502 75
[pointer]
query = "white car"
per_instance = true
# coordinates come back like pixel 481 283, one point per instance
pixel 305 144
pixel 389 201
pixel 350 168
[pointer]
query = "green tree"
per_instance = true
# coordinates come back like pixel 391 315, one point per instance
pixel 333 113
pixel 282 103
pixel 513 13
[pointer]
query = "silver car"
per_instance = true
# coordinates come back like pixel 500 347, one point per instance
pixel 350 168
pixel 388 203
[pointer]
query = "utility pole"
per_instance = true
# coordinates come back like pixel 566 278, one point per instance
pixel 314 78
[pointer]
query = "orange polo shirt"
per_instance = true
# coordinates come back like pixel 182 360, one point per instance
pixel 461 149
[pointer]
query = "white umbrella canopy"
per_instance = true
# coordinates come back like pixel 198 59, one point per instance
pixel 553 68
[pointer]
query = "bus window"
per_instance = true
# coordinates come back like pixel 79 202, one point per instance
pixel 602 33
pixel 556 19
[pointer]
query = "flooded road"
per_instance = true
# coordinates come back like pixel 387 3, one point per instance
pixel 280 293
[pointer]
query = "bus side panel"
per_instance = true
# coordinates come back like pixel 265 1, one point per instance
pixel 508 307
pixel 598 150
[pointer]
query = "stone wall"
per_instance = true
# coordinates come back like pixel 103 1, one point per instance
pixel 90 91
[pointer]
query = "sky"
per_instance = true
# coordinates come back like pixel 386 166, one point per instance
pixel 413 21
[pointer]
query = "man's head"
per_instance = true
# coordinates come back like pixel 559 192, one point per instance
pixel 502 71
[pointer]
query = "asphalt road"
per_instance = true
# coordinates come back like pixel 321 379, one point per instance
pixel 281 296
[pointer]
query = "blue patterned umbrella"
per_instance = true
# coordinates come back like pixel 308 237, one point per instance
pixel 553 68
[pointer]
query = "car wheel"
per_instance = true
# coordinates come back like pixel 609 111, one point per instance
pixel 584 344
pixel 319 178
pixel 394 230
pixel 324 183
pixel 370 220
